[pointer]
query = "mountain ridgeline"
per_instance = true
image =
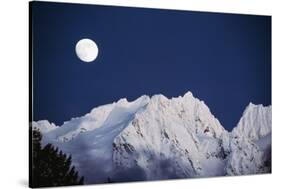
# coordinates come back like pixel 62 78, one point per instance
pixel 154 138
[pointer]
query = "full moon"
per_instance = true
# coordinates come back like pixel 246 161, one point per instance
pixel 86 50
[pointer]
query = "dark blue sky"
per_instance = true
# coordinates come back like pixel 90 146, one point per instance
pixel 223 59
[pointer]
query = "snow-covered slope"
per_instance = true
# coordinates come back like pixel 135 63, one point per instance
pixel 159 138
pixel 250 143
pixel 171 138
pixel 44 126
pixel 255 122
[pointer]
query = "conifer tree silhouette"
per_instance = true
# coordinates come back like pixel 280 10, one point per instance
pixel 50 166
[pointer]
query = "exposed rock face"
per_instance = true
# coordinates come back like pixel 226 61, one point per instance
pixel 250 143
pixel 159 138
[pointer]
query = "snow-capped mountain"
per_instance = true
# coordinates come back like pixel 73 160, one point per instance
pixel 250 143
pixel 160 138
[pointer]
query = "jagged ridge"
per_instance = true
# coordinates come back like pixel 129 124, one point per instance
pixel 160 138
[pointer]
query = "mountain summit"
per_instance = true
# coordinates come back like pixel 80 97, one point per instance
pixel 156 138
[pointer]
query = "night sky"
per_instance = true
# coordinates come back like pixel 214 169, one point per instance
pixel 223 59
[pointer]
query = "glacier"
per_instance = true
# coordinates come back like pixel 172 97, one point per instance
pixel 156 138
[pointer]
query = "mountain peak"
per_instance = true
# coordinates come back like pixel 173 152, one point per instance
pixel 159 97
pixel 122 101
pixel 252 105
pixel 188 94
pixel 160 137
pixel 143 98
pixel 255 122
pixel 255 107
